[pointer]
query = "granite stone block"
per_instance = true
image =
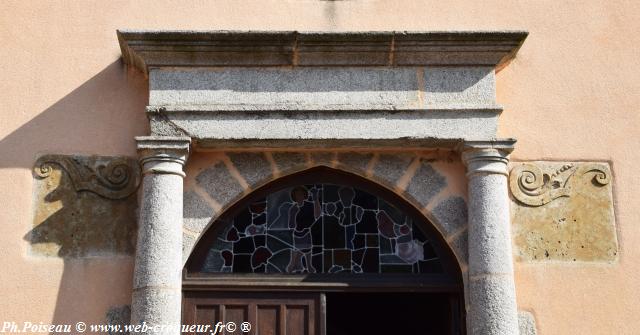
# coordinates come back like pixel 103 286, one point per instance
pixel 218 182
pixel 425 184
pixel 450 214
pixel 253 167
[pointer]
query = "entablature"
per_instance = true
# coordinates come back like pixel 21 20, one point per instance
pixel 309 89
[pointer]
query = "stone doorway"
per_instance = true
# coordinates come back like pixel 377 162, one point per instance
pixel 261 91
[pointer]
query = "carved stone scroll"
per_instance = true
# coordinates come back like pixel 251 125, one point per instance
pixel 109 177
pixel 563 211
pixel 534 187
pixel 84 206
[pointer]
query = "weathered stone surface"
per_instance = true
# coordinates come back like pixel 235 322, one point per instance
pixel 109 177
pixel 426 183
pixel 460 246
pixel 152 49
pixel 215 126
pixel 490 250
pixel 253 166
pixel 563 211
pixel 159 245
pixel 157 306
pixel 219 183
pixel 84 206
pixel 451 214
pixel 527 323
pixel 355 161
pixel 493 306
pixel 289 161
pixel 197 212
pixel 157 276
pixel 188 242
pixel 390 167
pixel 322 158
pixel 460 87
pixel 118 316
pixel 286 89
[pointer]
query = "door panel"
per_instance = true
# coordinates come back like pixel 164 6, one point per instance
pixel 268 313
pixel 269 319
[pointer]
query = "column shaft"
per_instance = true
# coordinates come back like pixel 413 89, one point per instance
pixel 492 300
pixel 157 282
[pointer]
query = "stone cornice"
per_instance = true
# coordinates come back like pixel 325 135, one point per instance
pixel 148 49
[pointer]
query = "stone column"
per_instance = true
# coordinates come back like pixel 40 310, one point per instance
pixel 492 300
pixel 157 279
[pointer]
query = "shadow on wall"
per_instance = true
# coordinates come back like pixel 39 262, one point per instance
pixel 99 117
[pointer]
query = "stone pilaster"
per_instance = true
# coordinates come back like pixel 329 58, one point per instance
pixel 492 306
pixel 157 281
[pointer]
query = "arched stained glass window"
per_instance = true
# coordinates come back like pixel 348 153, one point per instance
pixel 320 228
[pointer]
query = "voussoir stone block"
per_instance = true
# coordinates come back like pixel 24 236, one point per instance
pixel 563 211
pixel 460 246
pixel 425 184
pixel 188 242
pixel 253 166
pixel 218 182
pixel 289 161
pixel 323 158
pixel 355 161
pixel 390 167
pixel 197 212
pixel 451 214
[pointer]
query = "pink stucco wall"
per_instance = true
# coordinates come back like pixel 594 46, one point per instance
pixel 571 94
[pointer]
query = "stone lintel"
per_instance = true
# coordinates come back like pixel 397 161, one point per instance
pixel 325 129
pixel 148 49
pixel 313 89
pixel 327 144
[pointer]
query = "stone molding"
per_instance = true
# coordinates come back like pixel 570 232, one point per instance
pixel 148 49
pixel 163 155
pixel 108 177
pixel 487 157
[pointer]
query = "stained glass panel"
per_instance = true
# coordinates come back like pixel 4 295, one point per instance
pixel 321 228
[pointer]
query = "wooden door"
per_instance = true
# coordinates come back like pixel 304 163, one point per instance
pixel 267 313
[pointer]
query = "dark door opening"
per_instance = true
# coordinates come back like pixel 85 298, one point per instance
pixel 374 313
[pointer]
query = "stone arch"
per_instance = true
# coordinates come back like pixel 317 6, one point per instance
pixel 222 179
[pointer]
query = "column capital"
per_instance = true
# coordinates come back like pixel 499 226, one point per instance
pixel 163 154
pixel 487 157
